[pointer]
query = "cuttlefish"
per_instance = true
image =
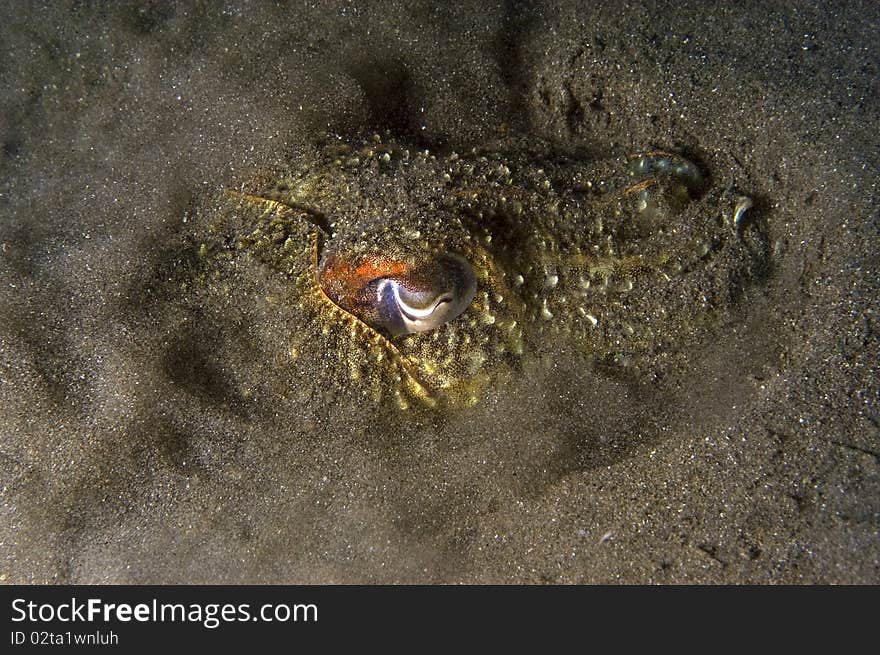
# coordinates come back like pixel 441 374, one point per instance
pixel 422 277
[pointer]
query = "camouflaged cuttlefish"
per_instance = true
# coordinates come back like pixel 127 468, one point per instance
pixel 423 277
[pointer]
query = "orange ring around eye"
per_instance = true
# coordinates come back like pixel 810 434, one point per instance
pixel 343 280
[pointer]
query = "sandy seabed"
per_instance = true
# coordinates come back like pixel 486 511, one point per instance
pixel 129 452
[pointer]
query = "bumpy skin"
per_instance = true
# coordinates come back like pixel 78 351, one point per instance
pixel 627 258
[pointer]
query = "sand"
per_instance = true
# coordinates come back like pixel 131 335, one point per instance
pixel 133 448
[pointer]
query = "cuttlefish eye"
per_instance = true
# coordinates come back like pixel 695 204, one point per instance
pixel 397 298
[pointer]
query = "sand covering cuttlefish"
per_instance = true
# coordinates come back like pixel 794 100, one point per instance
pixel 421 277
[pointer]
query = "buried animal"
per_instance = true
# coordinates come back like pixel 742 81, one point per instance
pixel 424 278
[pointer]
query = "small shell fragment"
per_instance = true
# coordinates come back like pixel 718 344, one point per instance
pixel 743 204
